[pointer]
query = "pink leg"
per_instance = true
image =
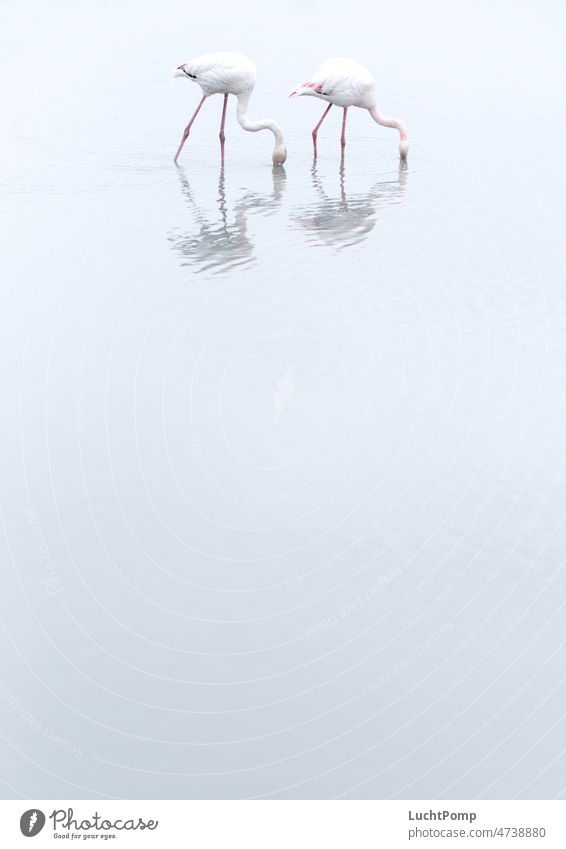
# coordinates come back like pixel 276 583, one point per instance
pixel 315 131
pixel 221 133
pixel 188 129
pixel 343 136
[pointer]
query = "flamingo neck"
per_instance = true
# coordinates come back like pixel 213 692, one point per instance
pixel 261 124
pixel 395 123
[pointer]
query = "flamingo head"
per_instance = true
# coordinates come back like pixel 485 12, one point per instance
pixel 279 154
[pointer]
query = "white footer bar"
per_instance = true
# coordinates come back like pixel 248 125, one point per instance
pixel 284 824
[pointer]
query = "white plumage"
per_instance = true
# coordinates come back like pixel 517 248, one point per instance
pixel 343 82
pixel 229 73
pixel 221 73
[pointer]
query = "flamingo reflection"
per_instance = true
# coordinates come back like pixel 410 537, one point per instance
pixel 223 242
pixel 347 219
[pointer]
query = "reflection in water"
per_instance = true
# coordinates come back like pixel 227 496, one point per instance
pixel 348 219
pixel 224 243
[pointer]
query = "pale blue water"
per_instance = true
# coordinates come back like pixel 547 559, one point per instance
pixel 282 451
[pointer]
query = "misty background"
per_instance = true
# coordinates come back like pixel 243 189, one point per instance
pixel 282 490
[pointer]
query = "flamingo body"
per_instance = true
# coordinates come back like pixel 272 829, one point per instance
pixel 221 73
pixel 341 82
pixel 345 83
pixel 229 74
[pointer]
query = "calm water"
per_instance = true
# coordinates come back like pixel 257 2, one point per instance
pixel 283 473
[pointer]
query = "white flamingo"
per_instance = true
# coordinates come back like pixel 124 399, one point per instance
pixel 342 82
pixel 229 73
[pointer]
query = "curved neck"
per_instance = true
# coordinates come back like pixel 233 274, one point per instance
pixel 255 126
pixel 395 123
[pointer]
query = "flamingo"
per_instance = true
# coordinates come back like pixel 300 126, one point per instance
pixel 342 82
pixel 229 73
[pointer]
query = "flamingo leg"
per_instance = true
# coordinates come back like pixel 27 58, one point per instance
pixel 343 136
pixel 188 129
pixel 221 133
pixel 315 131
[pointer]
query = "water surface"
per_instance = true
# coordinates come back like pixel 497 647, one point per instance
pixel 283 458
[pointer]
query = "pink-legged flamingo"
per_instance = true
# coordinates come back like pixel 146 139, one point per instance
pixel 342 82
pixel 229 73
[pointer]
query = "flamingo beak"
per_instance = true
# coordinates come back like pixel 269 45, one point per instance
pixel 294 93
pixel 179 72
